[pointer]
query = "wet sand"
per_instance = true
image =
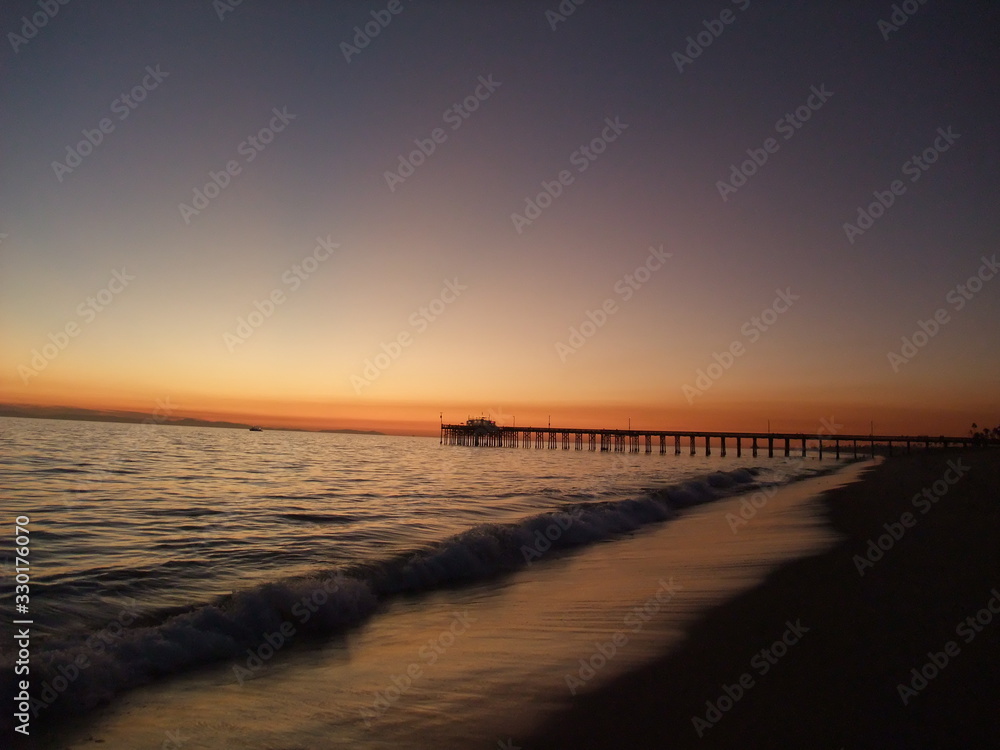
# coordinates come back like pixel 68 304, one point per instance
pixel 850 640
pixel 526 636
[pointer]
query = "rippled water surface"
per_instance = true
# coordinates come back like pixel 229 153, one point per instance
pixel 174 515
pixel 210 536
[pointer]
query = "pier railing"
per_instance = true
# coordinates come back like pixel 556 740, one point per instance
pixel 637 441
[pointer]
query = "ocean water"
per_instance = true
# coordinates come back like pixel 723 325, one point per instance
pixel 209 588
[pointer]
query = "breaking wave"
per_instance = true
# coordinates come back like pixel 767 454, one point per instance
pixel 76 674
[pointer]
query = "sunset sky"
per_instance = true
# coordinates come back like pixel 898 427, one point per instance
pixel 122 284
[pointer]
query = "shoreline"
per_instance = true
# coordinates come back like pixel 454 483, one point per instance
pixel 816 655
pixel 530 630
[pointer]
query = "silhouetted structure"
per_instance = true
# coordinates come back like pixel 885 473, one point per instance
pixel 477 433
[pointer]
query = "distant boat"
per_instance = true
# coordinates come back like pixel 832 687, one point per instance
pixel 255 428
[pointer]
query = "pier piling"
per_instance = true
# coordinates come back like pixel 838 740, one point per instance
pixel 484 433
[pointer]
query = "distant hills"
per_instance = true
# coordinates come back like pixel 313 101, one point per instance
pixel 98 415
pixel 354 432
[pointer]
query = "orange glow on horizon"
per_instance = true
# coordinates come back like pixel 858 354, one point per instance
pixel 422 419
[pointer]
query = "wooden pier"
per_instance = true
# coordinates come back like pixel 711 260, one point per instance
pixel 483 434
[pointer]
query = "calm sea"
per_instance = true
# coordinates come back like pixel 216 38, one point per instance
pixel 208 588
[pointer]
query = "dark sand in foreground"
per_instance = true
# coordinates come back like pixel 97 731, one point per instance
pixel 838 685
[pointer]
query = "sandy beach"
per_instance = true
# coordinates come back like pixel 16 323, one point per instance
pixel 515 652
pixel 795 623
pixel 890 639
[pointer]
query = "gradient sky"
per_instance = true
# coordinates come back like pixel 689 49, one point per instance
pixel 493 349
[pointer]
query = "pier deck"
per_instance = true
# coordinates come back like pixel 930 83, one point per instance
pixel 637 441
